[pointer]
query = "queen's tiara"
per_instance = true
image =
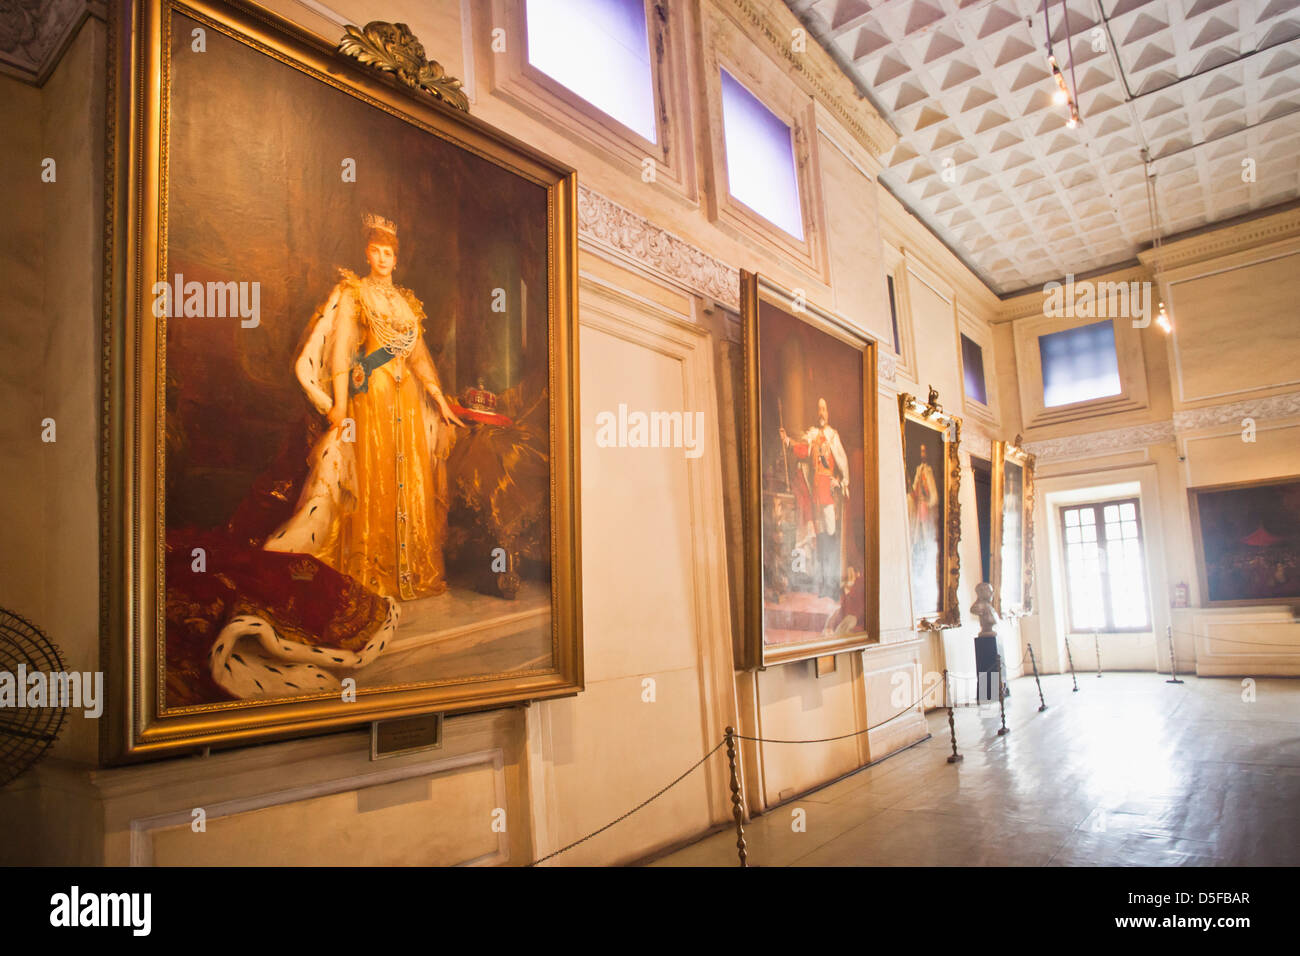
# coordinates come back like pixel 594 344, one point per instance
pixel 371 221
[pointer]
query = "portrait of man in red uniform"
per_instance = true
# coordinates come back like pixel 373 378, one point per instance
pixel 821 491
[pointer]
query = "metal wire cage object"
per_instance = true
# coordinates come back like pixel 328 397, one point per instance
pixel 26 732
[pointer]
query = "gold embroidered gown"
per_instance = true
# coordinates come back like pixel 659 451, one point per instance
pixel 390 533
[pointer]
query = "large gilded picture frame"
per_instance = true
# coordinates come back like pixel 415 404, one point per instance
pixel 340 452
pixel 1012 529
pixel 810 479
pixel 1247 540
pixel 932 472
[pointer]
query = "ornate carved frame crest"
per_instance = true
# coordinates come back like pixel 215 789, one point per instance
pixel 393 48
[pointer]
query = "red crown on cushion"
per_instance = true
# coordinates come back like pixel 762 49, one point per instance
pixel 479 399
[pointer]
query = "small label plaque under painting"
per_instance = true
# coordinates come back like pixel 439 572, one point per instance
pixel 824 665
pixel 405 735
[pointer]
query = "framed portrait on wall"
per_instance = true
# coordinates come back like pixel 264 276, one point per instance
pixel 810 479
pixel 1012 528
pixel 1247 537
pixel 340 475
pixel 932 472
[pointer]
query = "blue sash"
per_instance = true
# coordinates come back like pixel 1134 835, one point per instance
pixel 362 369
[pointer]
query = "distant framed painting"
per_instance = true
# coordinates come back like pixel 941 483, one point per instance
pixel 1247 537
pixel 340 349
pixel 810 479
pixel 1012 526
pixel 932 471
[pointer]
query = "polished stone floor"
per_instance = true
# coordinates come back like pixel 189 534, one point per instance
pixel 1129 771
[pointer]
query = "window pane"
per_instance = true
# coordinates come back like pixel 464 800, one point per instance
pixel 972 361
pixel 893 315
pixel 1079 364
pixel 760 157
pixel 1127 584
pixel 600 49
pixel 1087 608
pixel 1105 589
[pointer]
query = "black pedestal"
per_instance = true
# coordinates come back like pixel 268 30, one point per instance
pixel 986 669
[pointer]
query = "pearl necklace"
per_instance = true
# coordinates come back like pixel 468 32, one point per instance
pixel 397 339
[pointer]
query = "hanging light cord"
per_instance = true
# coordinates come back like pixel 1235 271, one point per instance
pixel 1069 48
pixel 1153 212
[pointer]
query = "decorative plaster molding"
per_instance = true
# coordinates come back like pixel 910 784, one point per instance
pixel 1029 305
pixel 1113 441
pixel 977 442
pixel 1221 242
pixel 1285 405
pixel 1117 440
pixel 887 366
pixel 34 34
pixel 604 221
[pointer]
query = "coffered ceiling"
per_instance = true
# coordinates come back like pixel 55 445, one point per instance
pixel 986 160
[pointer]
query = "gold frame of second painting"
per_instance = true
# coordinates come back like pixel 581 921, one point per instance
pixel 753 289
pixel 931 415
pixel 137 724
pixel 1013 452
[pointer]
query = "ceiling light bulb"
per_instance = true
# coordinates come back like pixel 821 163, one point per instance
pixel 1071 123
pixel 1162 320
pixel 1059 97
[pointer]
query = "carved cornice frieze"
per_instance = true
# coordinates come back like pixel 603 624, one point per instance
pixel 604 221
pixel 1285 405
pixel 1134 438
pixel 1112 441
pixel 1225 241
pixel 34 34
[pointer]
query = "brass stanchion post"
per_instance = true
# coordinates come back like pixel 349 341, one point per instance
pixel 735 797
pixel 1042 704
pixel 1002 707
pixel 1070 657
pixel 952 726
pixel 1173 674
pixel 1096 642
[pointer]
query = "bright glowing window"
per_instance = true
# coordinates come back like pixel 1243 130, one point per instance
pixel 599 49
pixel 1079 364
pixel 1104 570
pixel 760 158
pixel 972 363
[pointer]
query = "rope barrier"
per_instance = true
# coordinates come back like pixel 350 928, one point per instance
pixel 717 747
pixel 856 733
pixel 721 743
pixel 1236 640
pixel 736 736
